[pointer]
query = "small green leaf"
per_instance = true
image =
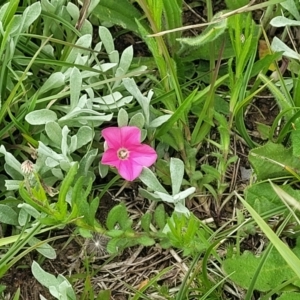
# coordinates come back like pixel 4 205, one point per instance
pixel 118 215
pixel 273 160
pixel 160 216
pixel 242 269
pixel 208 35
pixel 104 295
pixel 119 12
pixel 146 241
pixel 146 221
pixel 289 296
pixel 65 187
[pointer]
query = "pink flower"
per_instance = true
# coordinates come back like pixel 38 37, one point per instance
pixel 125 151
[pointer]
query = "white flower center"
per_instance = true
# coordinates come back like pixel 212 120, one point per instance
pixel 123 153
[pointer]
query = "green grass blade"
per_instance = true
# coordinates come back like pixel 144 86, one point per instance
pixel 287 254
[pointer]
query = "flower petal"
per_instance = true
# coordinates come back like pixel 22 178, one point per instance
pixel 131 135
pixel 113 137
pixel 129 170
pixel 143 155
pixel 110 158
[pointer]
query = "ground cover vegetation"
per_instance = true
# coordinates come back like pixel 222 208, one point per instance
pixel 149 149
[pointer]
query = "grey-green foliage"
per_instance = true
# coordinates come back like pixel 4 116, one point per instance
pixel 158 192
pixel 59 287
pixel 52 162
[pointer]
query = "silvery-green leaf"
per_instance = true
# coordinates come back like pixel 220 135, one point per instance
pixel 73 10
pixel 65 165
pixel 57 173
pixel 15 26
pixel 30 210
pixel 281 21
pixel 81 60
pixel 73 144
pixel 143 101
pixel 124 64
pixel 107 39
pixel 177 172
pixel 150 180
pixel 86 119
pixel 48 49
pixel 114 57
pixel 107 66
pixel 159 121
pixel 55 292
pixel 137 120
pixel 14 174
pixel 87 27
pixel 41 116
pixel 51 163
pixel 82 101
pixel 86 162
pixel 44 249
pixel 44 278
pixel 122 117
pixel 66 290
pixel 53 131
pixel 55 80
pixel 75 87
pixel 125 61
pixel 30 14
pixel 184 194
pixel 290 6
pixel 11 160
pixel 144 133
pixel 47 6
pixel 279 46
pixel 23 217
pixel 103 169
pixel 110 102
pixel 64 141
pixel 182 209
pixel 8 215
pixel 12 185
pixel 165 197
pixel 3 10
pixel 84 135
pixel 78 111
pixel 48 152
pixel 84 42
pixel 146 194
